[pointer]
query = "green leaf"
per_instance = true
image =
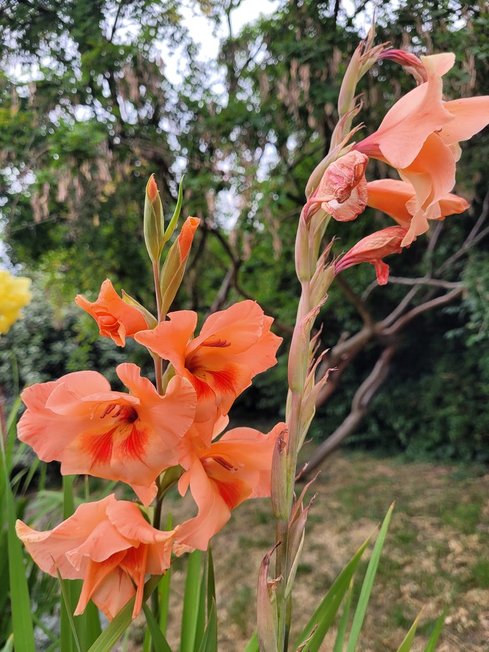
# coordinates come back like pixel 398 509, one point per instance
pixel 368 583
pixel 121 622
pixel 209 640
pixel 176 213
pixel 342 625
pixel 191 602
pixel 68 635
pixel 22 627
pixel 68 640
pixel 252 645
pixel 314 632
pixel 164 589
pixel 435 634
pixel 407 643
pixel 211 582
pixel 160 644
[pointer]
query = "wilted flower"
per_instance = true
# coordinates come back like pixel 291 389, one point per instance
pixel 372 249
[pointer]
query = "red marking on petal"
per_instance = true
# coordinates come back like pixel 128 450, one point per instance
pixel 133 446
pixel 217 343
pixel 223 380
pixel 99 447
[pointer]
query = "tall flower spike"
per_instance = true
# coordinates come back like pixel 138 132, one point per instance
pixel 78 421
pixel 233 346
pixel 115 318
pixel 109 545
pixel 372 249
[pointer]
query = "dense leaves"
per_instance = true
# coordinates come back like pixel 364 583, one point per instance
pixel 87 113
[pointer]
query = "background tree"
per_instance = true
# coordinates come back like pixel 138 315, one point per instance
pixel 88 113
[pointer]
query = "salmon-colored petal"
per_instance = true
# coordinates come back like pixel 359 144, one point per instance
pixel 49 549
pixel 171 338
pixel 115 318
pixel 453 205
pixel 391 196
pixel 470 114
pixel 113 435
pixel 213 513
pixel 94 576
pixel 408 124
pixel 234 329
pixel 439 64
pixel 111 593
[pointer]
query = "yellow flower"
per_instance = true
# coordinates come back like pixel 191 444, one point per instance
pixel 14 295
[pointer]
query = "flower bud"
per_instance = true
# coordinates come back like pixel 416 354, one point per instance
pixel 175 263
pixel 154 222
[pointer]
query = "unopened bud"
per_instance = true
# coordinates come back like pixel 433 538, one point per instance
pixel 175 263
pixel 154 222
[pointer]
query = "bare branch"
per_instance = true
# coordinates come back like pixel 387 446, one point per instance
pixel 359 407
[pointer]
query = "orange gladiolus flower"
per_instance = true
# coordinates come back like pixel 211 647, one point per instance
pixel 221 476
pixel 90 429
pixel 233 346
pixel 372 249
pixel 398 200
pixel 115 318
pixel 420 137
pixel 109 545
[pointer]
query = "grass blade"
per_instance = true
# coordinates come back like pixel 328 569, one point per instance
pixel 209 640
pixel 22 627
pixel 191 602
pixel 435 634
pixel 342 625
pixel 314 632
pixel 211 582
pixel 407 643
pixel 160 644
pixel 164 589
pixel 252 645
pixel 368 583
pixel 66 598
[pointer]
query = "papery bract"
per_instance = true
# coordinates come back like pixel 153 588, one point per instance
pixel 109 545
pixel 372 249
pixel 90 429
pixel 221 476
pixel 233 346
pixel 397 199
pixel 115 318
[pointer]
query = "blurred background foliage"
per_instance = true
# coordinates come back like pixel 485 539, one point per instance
pixel 88 109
